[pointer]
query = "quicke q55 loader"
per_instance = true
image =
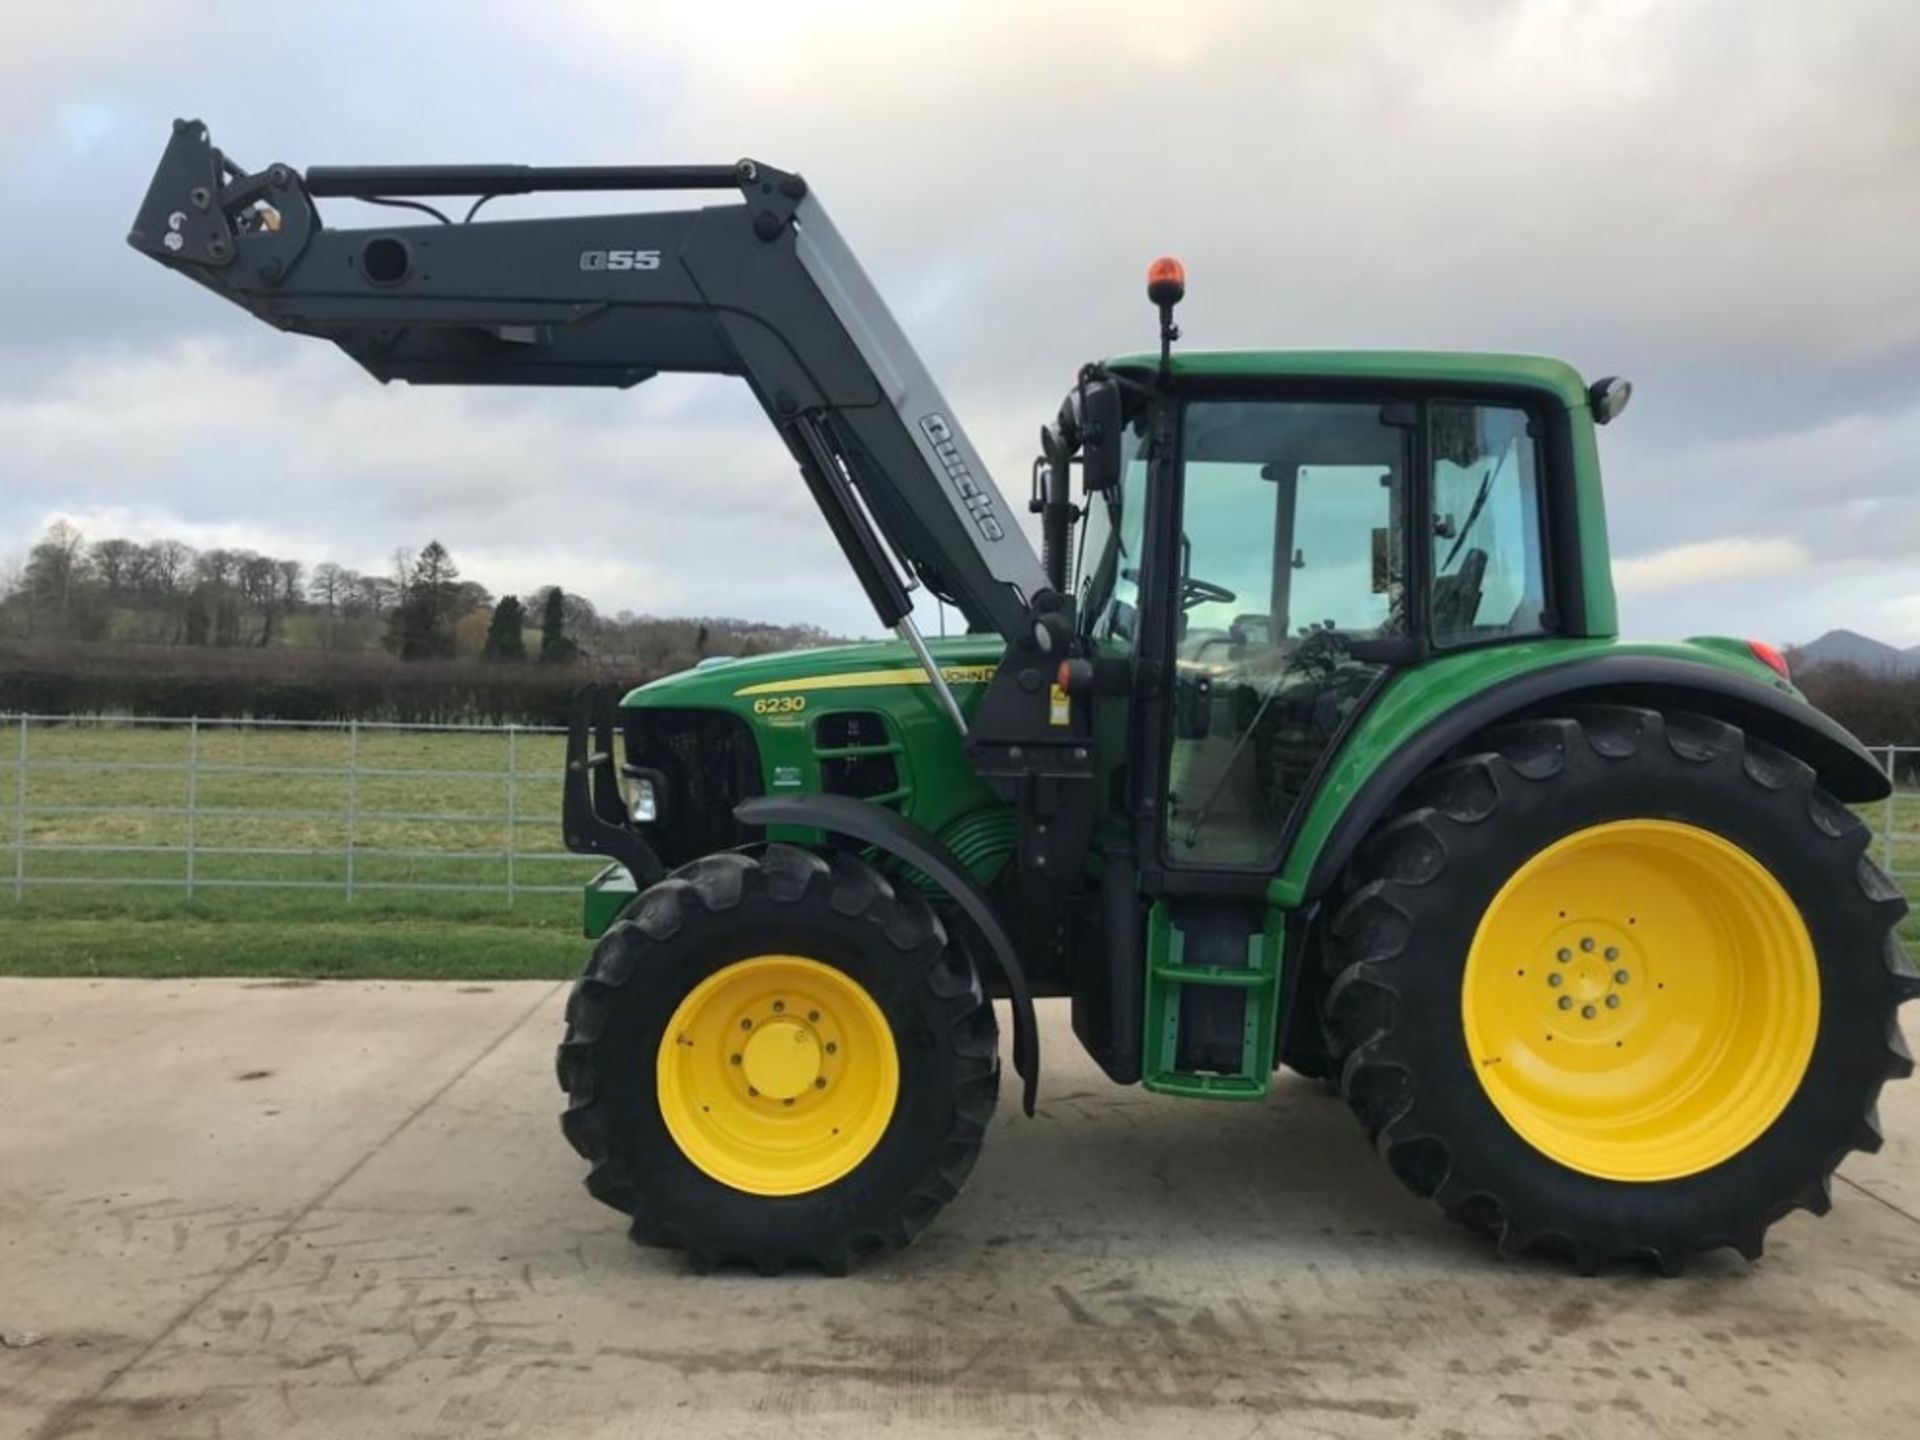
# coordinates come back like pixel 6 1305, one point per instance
pixel 1307 739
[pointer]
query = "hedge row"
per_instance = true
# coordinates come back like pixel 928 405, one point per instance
pixel 290 685
pixel 1881 709
pixel 318 685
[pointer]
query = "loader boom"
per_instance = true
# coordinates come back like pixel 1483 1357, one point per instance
pixel 764 288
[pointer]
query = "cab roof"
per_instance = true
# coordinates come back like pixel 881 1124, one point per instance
pixel 1460 367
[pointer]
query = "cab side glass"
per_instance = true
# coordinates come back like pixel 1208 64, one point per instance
pixel 1108 589
pixel 1489 579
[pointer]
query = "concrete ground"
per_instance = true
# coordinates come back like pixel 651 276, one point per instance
pixel 240 1209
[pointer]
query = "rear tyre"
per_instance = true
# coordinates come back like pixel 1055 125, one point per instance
pixel 1620 984
pixel 778 1060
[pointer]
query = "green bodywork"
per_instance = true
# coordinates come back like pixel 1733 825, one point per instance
pixel 1417 696
pixel 784 696
pixel 943 793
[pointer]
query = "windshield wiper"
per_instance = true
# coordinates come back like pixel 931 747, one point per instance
pixel 1479 504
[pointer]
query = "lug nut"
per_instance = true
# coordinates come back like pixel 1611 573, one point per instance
pixel 832 1049
pixel 1555 979
pixel 1587 1012
pixel 787 1101
pixel 1620 977
pixel 778 1006
pixel 820 1082
pixel 1564 955
pixel 746 1024
pixel 1586 942
pixel 733 1059
pixel 1613 1002
pixel 1613 952
pixel 1566 1002
pixel 813 1017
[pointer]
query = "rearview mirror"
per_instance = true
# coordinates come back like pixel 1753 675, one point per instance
pixel 1101 428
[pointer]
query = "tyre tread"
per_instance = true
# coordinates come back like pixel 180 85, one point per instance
pixel 1372 932
pixel 785 875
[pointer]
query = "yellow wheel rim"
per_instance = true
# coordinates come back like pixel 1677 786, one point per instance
pixel 777 1075
pixel 1641 1000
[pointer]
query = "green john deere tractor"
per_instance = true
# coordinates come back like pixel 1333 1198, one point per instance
pixel 1306 738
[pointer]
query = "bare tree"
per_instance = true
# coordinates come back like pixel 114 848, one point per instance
pixel 162 577
pixel 330 586
pixel 163 569
pixel 217 567
pixel 373 594
pixel 115 562
pixel 56 567
pixel 292 572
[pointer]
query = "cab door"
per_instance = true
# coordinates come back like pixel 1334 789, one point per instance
pixel 1290 566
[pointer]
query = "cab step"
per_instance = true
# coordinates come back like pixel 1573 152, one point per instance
pixel 1213 999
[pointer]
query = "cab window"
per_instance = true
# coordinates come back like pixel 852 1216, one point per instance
pixel 1290 545
pixel 1489 579
pixel 1108 593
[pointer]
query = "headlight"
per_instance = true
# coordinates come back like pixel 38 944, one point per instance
pixel 645 790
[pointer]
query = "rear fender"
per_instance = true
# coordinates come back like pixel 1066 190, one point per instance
pixel 1777 715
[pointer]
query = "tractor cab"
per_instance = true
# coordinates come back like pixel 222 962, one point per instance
pixel 1275 539
pixel 1263 546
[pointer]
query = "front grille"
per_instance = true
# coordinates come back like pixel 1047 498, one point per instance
pixel 858 757
pixel 850 729
pixel 864 777
pixel 711 764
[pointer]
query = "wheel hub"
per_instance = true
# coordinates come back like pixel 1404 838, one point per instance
pixel 1593 977
pixel 1640 1000
pixel 777 1075
pixel 782 1059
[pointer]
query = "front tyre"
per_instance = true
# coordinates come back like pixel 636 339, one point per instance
pixel 778 1060
pixel 1620 984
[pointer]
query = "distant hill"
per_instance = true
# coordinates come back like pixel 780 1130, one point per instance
pixel 1846 647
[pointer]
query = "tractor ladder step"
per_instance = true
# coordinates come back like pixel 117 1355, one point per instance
pixel 1213 999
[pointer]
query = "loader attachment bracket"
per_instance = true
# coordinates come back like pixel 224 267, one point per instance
pixel 199 204
pixel 593 814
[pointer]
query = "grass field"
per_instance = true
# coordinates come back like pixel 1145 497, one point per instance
pixel 1902 856
pixel 442 823
pixel 424 808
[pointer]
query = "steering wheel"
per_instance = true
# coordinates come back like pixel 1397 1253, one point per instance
pixel 1202 592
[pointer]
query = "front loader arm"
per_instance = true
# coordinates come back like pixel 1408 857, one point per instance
pixel 764 289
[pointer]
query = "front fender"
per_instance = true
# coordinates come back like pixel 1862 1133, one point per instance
pixel 925 852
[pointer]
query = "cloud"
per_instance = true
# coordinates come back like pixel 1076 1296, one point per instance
pixel 1717 204
pixel 657 500
pixel 1709 562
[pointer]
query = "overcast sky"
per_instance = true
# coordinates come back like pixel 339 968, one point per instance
pixel 1720 200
